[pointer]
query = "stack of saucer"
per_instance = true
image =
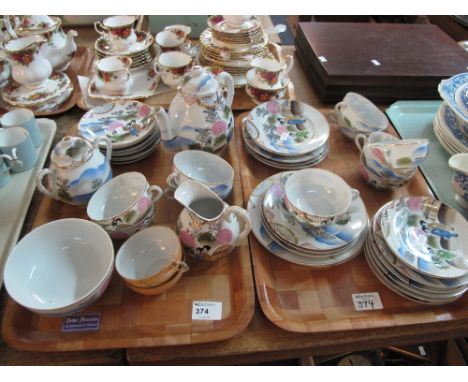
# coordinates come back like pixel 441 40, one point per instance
pixel 232 47
pixel 417 247
pixel 142 52
pixel 284 235
pixel 131 126
pixel 451 120
pixel 286 134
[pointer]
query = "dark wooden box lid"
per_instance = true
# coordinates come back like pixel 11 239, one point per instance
pixel 402 50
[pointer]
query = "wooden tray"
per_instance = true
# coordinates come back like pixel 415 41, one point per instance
pixel 301 299
pixel 132 320
pixel 79 65
pixel 241 99
pixel 17 194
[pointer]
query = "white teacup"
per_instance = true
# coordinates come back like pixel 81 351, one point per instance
pixel 171 40
pixel 236 20
pixel 318 197
pixel 172 66
pixel 113 75
pixel 203 167
pixel 267 71
pixel 359 115
pixel 119 30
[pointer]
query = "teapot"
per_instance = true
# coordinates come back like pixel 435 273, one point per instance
pixel 59 48
pixel 200 116
pixel 208 228
pixel 77 170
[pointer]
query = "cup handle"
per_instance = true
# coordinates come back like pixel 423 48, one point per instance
pixel 226 78
pixel 357 140
pixel 99 28
pixel 156 193
pixel 40 185
pixel 181 266
pixel 354 194
pixel 108 146
pixel 241 215
pixel 172 179
pixel 10 159
pixel 289 61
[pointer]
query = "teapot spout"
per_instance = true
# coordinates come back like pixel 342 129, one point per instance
pixel 167 132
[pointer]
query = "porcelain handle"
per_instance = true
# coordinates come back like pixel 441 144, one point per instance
pixel 241 215
pixel 357 140
pixel 99 28
pixel 171 181
pixel 8 27
pixel 108 146
pixel 289 62
pixel 6 156
pixel 181 266
pixel 227 79
pixel 156 193
pixel 40 185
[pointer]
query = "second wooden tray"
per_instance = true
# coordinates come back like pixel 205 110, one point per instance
pixel 128 319
pixel 301 299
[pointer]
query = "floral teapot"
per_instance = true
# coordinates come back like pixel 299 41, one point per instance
pixel 200 116
pixel 77 170
pixel 59 48
pixel 208 228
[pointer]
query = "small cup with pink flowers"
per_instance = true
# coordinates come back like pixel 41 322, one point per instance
pixel 124 205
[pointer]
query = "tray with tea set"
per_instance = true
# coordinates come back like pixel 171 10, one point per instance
pixel 315 278
pixel 125 316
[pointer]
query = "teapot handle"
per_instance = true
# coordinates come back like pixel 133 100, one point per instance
pixel 40 185
pixel 241 215
pixel 226 78
pixel 108 146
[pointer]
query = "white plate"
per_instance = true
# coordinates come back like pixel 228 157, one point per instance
pixel 52 92
pixel 427 235
pixel 124 122
pixel 304 237
pixel 287 128
pixel 259 231
pixel 144 84
pixel 17 194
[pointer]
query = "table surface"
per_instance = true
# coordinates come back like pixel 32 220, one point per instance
pixel 261 340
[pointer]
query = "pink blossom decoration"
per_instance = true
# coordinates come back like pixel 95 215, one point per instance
pixel 281 129
pixel 143 204
pixel 277 191
pixel 187 239
pixel 115 125
pixel 415 203
pixel 219 127
pixel 224 236
pixel 273 107
pixel 144 110
pixel 378 154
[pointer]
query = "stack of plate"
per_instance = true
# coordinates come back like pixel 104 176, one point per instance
pixel 284 236
pixel 418 247
pixel 231 48
pixel 142 52
pixel 451 120
pixel 286 134
pixel 131 126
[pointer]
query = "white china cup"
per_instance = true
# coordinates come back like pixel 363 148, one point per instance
pixel 201 166
pixel 171 39
pixel 236 20
pixel 122 201
pixel 119 30
pixel 113 74
pixel 267 70
pixel 60 267
pixel 318 197
pixel 172 66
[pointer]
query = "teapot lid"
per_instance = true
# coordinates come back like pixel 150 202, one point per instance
pixel 72 152
pixel 36 23
pixel 199 82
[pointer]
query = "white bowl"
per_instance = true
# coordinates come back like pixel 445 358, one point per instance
pixel 60 267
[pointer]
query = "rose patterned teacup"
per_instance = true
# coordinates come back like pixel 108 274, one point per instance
pixel 172 66
pixel 113 75
pixel 123 201
pixel 267 72
pixel 173 39
pixel 317 197
pixel 119 30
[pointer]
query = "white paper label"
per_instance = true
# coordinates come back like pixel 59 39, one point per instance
pixel 207 310
pixel 367 301
pixel 422 351
pixel 322 59
pixel 375 62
